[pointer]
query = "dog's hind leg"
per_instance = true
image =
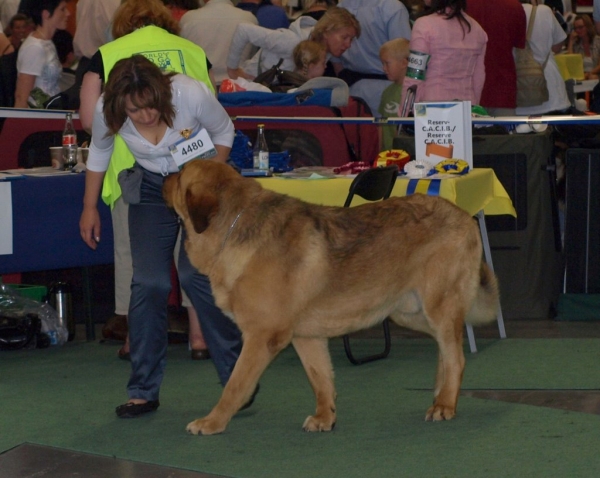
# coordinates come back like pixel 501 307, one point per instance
pixel 451 364
pixel 314 354
pixel 258 352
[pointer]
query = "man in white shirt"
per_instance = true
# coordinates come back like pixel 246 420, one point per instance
pixel 380 21
pixel 8 9
pixel 212 27
pixel 94 18
pixel 547 38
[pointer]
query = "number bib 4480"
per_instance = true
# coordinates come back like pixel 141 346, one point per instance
pixel 198 146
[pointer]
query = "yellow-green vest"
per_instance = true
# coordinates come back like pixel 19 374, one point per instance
pixel 170 53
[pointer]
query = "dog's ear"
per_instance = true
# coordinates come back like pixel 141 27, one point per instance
pixel 200 207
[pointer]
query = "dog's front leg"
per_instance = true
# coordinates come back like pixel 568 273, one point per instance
pixel 257 353
pixel 314 354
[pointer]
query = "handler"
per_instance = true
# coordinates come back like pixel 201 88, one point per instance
pixel 152 112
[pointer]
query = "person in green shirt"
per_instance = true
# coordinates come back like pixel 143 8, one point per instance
pixel 394 58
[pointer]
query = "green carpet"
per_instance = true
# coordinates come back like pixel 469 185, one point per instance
pixel 65 397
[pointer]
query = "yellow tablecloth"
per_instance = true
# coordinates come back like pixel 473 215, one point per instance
pixel 477 190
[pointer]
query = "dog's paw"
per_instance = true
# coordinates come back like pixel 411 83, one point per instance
pixel 437 413
pixel 203 426
pixel 316 424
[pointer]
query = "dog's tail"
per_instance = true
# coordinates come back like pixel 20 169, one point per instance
pixel 485 306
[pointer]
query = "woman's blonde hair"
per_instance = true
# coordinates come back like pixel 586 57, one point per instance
pixel 306 53
pixel 134 14
pixel 146 86
pixel 334 19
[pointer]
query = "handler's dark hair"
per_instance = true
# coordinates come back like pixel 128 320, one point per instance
pixel 146 86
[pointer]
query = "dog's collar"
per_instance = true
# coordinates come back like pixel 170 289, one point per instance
pixel 230 229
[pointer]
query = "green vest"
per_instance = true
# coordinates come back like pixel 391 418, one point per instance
pixel 170 53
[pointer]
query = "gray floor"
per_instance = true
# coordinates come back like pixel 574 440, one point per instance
pixel 36 461
pixel 29 461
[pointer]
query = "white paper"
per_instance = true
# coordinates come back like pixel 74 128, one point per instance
pixel 198 146
pixel 443 131
pixel 6 220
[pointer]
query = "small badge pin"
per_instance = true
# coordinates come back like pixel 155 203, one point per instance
pixel 186 133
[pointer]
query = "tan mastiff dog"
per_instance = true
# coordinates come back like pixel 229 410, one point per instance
pixel 288 271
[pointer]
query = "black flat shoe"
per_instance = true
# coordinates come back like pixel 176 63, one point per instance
pixel 133 410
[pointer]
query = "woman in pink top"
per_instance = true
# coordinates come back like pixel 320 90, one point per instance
pixel 447 53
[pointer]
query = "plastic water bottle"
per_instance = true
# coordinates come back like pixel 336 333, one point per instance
pixel 69 144
pixel 260 153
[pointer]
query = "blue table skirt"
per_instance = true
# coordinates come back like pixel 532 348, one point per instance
pixel 46 213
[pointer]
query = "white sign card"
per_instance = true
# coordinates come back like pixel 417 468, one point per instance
pixel 6 218
pixel 198 146
pixel 443 131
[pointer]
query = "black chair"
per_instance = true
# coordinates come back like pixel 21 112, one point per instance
pixel 373 185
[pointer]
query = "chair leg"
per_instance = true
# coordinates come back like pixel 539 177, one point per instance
pixel 370 358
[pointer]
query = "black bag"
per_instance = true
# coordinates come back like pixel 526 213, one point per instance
pixel 278 80
pixel 130 181
pixel 19 332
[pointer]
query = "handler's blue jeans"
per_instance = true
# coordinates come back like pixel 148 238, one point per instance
pixel 153 230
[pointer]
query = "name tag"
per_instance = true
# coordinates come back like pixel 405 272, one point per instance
pixel 198 146
pixel 417 65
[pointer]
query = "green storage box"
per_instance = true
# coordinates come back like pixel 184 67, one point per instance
pixel 577 307
pixel 35 292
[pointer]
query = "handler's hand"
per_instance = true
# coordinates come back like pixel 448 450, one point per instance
pixel 89 226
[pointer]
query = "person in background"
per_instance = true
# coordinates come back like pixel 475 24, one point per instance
pixel 547 38
pixel 179 8
pixel 63 41
pixel 5 45
pixel 310 59
pixel 149 110
pixel 452 45
pixel 38 66
pixel 316 8
pixel 19 27
pixel 504 23
pixel 212 27
pixel 8 9
pixel 268 15
pixel 596 15
pixel 585 41
pixel 140 26
pixel 335 30
pixel 93 23
pixel 360 66
pixel 394 58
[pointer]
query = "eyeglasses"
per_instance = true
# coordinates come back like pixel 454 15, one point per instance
pixel 580 27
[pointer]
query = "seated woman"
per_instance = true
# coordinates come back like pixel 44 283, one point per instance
pixel 38 66
pixel 585 41
pixel 335 30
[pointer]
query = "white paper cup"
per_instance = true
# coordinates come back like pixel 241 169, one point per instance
pixel 56 157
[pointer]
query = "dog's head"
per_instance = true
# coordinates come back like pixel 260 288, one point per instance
pixel 194 191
